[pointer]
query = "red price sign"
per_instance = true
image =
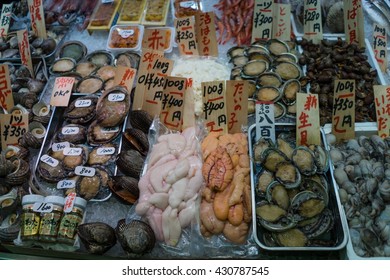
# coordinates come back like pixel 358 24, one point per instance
pixel 237 105
pixel 185 36
pixel 24 49
pixel 354 22
pixel 62 91
pixel 6 98
pixel 156 39
pixel 308 119
pixel 69 202
pixel 125 76
pixel 206 34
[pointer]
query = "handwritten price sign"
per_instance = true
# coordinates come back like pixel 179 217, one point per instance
pixel 5 19
pixel 237 105
pixel 13 126
pixel 62 91
pixel 206 35
pixel 185 36
pixel 380 46
pixel 262 20
pixel 312 21
pixel 214 106
pixel 382 101
pixel 124 76
pixel 6 97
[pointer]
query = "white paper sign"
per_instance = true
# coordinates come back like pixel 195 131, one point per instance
pixel 60 146
pixel 105 151
pixel 66 184
pixel 49 160
pixel 85 171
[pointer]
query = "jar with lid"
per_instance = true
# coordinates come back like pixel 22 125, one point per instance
pixel 70 221
pixel 30 219
pixel 50 221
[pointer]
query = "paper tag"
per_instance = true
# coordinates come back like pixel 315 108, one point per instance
pixel 262 20
pixel 37 18
pixel 281 28
pixel 185 36
pixel 124 76
pixel 13 127
pixel 69 202
pixel 70 130
pixel 60 146
pixel 43 207
pixel 343 115
pixel 66 184
pixel 109 129
pixel 382 101
pixel 85 171
pixel 237 105
pixel 105 151
pixel 5 19
pixel 156 39
pixel 72 151
pixel 24 50
pixel 380 46
pixel 124 33
pixel 6 97
pixel 265 120
pixel 189 106
pixel 116 97
pixel 312 21
pixel 62 91
pixel 49 160
pixel 81 103
pixel 354 22
pixel 308 120
pixel 214 106
pixel 206 35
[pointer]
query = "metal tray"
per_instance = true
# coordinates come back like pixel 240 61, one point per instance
pixel 367 129
pixel 297 28
pixel 56 122
pixel 338 233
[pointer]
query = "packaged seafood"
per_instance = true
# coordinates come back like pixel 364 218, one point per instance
pixel 125 38
pixel 156 12
pixel 131 11
pixel 185 8
pixel 296 206
pixel 103 15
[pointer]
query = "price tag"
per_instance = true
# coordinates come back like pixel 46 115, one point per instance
pixel 124 76
pixel 189 106
pixel 354 22
pixel 49 160
pixel 380 46
pixel 37 18
pixel 60 146
pixel 156 39
pixel 116 97
pixel 24 50
pixel 237 105
pixel 70 130
pixel 83 103
pixel 69 202
pixel 6 97
pixel 105 151
pixel 5 19
pixel 66 184
pixel 312 21
pixel 185 36
pixel 214 106
pixel 72 151
pixel 43 207
pixel 265 120
pixel 382 101
pixel 125 33
pixel 172 102
pixel 13 126
pixel 85 171
pixel 109 129
pixel 281 28
pixel 206 34
pixel 343 115
pixel 308 120
pixel 62 91
pixel 262 20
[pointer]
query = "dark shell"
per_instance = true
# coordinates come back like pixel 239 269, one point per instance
pixel 74 138
pixel 81 115
pixel 136 237
pixel 126 188
pixel 134 138
pixel 20 174
pixel 141 119
pixel 95 159
pixel 17 151
pixel 98 135
pixel 130 162
pixel 89 187
pixel 128 59
pixel 49 173
pixel 73 49
pixel 97 237
pixel 100 58
pixel 6 166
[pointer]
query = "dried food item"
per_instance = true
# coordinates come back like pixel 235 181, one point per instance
pixel 104 13
pixel 122 36
pixel 132 10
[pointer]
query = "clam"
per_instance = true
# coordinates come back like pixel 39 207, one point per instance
pixel 269 79
pixel 126 188
pixel 307 204
pixel 136 237
pixel 279 110
pixel 128 59
pixel 62 65
pixel 72 133
pixel 288 70
pixel 100 58
pixel 290 90
pixel 106 72
pixel 53 171
pixel 90 84
pixel 271 157
pixel 254 68
pixel 130 163
pixel 97 237
pixel 81 110
pixel 141 120
pixel 236 51
pixel 88 187
pixel 102 155
pixel 291 238
pixel 98 135
pixel 335 18
pixel 85 68
pixel 33 138
pixel 287 174
pixel 268 94
pixel 277 47
pixel 134 138
pixel 20 174
pixel 277 193
pixel 73 49
pixel 304 159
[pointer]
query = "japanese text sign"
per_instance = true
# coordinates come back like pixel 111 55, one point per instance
pixel 214 106
pixel 155 39
pixel 354 22
pixel 37 18
pixel 262 20
pixel 147 59
pixel 24 49
pixel 13 126
pixel 380 46
pixel 281 28
pixel 343 115
pixel 186 36
pixel 124 76
pixel 265 120
pixel 172 103
pixel 312 21
pixel 308 119
pixel 5 19
pixel 69 202
pixel 382 106
pixel 206 34
pixel 6 97
pixel 62 91
pixel 237 105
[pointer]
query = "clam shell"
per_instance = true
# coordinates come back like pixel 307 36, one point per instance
pixel 130 163
pixel 76 138
pixel 73 49
pixel 100 58
pixel 277 47
pixel 90 84
pixel 141 120
pixel 269 79
pixel 134 138
pixel 112 113
pixel 268 94
pixel 254 68
pixel 83 114
pixel 85 68
pixel 95 159
pixel 98 135
pixel 97 237
pixel 128 59
pixel 62 65
pixel 126 188
pixel 288 70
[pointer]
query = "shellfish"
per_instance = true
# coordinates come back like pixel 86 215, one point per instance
pixel 97 237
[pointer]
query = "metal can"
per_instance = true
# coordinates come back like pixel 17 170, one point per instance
pixel 50 221
pixel 30 219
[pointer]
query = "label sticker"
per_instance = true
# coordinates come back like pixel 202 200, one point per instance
pixel 60 146
pixel 116 97
pixel 72 151
pixel 105 151
pixel 83 103
pixel 70 130
pixel 69 202
pixel 43 207
pixel 126 33
pixel 49 160
pixel 66 184
pixel 85 171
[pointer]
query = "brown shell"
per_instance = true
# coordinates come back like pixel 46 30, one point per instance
pixel 97 135
pixel 20 174
pixel 77 138
pixel 85 68
pixel 89 187
pixel 134 138
pixel 81 115
pixel 90 84
pixel 140 119
pixel 97 237
pixel 130 163
pixel 106 72
pixel 126 188
pixel 95 159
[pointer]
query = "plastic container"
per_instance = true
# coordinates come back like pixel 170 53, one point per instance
pixel 104 16
pixel 185 8
pixel 125 37
pixel 169 43
pixel 30 219
pixel 50 221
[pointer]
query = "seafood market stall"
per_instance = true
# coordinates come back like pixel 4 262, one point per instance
pixel 112 146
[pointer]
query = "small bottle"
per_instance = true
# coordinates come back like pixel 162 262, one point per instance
pixel 50 221
pixel 70 222
pixel 30 219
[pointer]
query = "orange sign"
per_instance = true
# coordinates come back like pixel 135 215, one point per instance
pixel 262 20
pixel 24 49
pixel 62 91
pixel 308 119
pixel 37 18
pixel 237 105
pixel 185 36
pixel 206 34
pixel 13 126
pixel 382 106
pixel 282 22
pixel 6 97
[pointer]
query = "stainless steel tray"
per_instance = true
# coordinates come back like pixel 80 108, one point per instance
pixel 338 233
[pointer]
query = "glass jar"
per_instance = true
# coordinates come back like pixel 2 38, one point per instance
pixel 50 221
pixel 70 221
pixel 30 219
